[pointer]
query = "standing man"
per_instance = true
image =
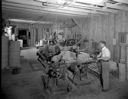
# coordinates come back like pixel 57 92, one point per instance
pixel 103 65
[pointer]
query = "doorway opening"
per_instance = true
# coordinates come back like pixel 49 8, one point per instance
pixel 23 35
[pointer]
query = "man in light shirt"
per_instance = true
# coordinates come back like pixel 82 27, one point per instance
pixel 103 65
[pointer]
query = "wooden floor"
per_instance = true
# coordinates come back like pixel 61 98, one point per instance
pixel 28 84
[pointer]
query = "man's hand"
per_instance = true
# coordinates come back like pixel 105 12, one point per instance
pixel 104 58
pixel 99 59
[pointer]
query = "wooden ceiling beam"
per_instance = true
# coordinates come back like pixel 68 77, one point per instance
pixel 91 2
pixel 93 11
pixel 42 9
pixel 76 11
pixel 80 8
pixel 122 1
pixel 46 12
pixel 12 13
pixel 41 12
pixel 116 7
pixel 109 5
pixel 92 7
pixel 31 13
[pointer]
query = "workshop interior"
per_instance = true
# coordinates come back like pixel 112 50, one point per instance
pixel 64 49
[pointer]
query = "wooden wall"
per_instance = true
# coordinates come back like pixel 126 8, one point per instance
pixel 121 25
pixel 106 27
pixel 94 27
pixel 101 27
pixel 34 29
pixel 121 21
pixel 83 25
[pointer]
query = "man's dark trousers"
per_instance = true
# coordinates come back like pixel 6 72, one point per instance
pixel 104 73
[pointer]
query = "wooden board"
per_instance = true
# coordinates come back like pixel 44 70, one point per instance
pixel 5 43
pixel 127 63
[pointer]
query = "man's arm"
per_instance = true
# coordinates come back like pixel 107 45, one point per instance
pixel 98 56
pixel 104 58
pixel 106 55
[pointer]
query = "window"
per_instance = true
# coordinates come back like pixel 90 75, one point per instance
pixel 47 30
pixel 122 37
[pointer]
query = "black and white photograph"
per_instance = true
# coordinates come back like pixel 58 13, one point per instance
pixel 64 49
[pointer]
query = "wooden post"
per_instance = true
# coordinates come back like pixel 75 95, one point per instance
pixel 127 63
pixel 127 57
pixel 123 54
pixel 122 64
pixel 5 43
pixel 122 74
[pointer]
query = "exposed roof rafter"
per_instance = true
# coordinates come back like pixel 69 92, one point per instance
pixel 18 6
pixel 122 1
pixel 43 8
pixel 117 7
